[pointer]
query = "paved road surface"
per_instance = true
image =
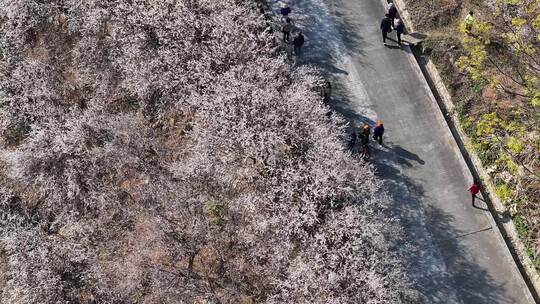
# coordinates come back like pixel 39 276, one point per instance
pixel 459 258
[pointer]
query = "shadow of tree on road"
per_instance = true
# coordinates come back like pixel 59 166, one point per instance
pixel 442 270
pixel 342 102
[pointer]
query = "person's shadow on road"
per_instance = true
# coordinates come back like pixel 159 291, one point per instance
pixel 393 46
pixel 482 207
pixel 501 217
pixel 402 153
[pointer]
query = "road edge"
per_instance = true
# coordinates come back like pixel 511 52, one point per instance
pixel 506 230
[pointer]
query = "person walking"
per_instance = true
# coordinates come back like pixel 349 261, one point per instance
pixel 298 43
pixel 366 132
pixel 474 189
pixel 285 10
pixel 364 136
pixel 286 29
pixel 400 28
pixel 378 132
pixel 386 27
pixel 352 141
pixel 327 91
pixel 392 11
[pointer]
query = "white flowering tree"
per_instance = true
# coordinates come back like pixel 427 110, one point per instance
pixel 158 152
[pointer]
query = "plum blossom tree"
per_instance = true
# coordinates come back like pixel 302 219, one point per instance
pixel 150 154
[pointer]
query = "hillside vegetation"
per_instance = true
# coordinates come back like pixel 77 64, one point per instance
pixel 493 74
pixel 162 152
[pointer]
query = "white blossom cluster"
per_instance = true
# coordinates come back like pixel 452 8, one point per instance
pixel 160 152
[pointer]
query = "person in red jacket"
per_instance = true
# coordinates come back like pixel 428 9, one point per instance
pixel 474 189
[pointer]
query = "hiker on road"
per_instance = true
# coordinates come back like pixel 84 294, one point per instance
pixel 352 141
pixel 327 91
pixel 364 136
pixel 474 189
pixel 386 27
pixel 378 132
pixel 286 29
pixel 285 10
pixel 365 133
pixel 392 11
pixel 298 42
pixel 400 28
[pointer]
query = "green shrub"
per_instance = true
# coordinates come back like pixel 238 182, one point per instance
pixel 468 124
pixel 505 163
pixel 515 145
pixel 479 86
pixel 521 227
pixel 215 211
pixel 486 125
pixel 486 153
pixel 504 192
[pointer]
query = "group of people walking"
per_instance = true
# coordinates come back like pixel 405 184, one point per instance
pixel 391 21
pixel 364 134
pixel 287 27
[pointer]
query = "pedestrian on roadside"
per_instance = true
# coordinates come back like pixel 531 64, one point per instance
pixel 469 22
pixel 392 11
pixel 352 141
pixel 378 132
pixel 400 28
pixel 298 43
pixel 386 27
pixel 474 189
pixel 364 137
pixel 365 133
pixel 286 29
pixel 285 10
pixel 327 91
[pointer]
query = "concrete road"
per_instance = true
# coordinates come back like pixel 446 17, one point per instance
pixel 458 255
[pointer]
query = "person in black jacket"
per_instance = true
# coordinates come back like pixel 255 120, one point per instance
pixel 298 42
pixel 285 10
pixel 364 136
pixel 352 141
pixel 392 11
pixel 386 27
pixel 378 132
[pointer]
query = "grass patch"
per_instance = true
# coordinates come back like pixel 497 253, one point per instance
pixel 215 211
pixel 521 227
pixel 525 233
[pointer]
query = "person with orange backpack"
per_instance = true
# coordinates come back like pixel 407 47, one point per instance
pixel 364 135
pixel 378 132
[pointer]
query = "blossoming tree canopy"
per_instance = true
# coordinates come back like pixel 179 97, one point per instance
pixel 159 152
